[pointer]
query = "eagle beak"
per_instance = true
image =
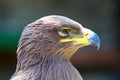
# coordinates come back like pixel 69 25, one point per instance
pixel 94 40
pixel 88 38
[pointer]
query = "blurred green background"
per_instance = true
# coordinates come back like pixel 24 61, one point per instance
pixel 101 16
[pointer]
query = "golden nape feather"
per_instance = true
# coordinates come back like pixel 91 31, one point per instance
pixel 46 46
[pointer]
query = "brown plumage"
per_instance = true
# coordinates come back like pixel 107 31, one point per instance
pixel 43 55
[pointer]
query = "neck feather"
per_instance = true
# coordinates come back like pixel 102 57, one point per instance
pixel 58 68
pixel 35 64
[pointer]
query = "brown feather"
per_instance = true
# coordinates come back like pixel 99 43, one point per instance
pixel 40 54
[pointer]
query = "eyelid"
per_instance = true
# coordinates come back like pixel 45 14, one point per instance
pixel 62 34
pixel 67 29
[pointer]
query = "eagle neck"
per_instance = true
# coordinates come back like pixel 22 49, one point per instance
pixel 57 67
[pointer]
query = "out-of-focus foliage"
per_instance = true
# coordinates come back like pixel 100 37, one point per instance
pixel 97 15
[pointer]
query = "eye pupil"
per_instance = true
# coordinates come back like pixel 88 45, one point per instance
pixel 65 31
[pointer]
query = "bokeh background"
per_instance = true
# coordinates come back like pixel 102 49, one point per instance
pixel 101 16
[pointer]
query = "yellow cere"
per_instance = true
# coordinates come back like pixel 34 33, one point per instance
pixel 82 41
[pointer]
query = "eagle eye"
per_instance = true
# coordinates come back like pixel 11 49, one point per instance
pixel 64 32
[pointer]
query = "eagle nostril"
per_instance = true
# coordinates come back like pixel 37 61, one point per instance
pixel 86 34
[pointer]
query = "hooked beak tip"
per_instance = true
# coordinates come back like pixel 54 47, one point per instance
pixel 94 40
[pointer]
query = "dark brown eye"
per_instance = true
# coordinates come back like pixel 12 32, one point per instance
pixel 64 32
